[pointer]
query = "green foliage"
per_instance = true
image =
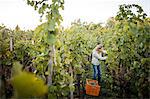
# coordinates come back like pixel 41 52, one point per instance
pixel 128 47
pixel 5 54
pixel 49 9
pixel 127 44
pixel 17 68
pixel 75 45
pixel 126 12
pixel 28 85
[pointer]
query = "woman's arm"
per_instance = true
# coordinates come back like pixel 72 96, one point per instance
pixel 99 56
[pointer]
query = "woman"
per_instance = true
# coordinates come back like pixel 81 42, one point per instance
pixel 96 56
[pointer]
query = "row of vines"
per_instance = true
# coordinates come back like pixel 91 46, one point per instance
pixel 59 55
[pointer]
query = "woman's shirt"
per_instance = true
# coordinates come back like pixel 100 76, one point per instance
pixel 97 56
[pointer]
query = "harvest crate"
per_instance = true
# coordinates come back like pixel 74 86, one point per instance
pixel 92 87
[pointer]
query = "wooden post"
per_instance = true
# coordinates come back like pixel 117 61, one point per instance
pixel 11 42
pixel 50 66
pixel 71 82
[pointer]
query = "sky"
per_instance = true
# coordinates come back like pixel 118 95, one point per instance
pixel 17 12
